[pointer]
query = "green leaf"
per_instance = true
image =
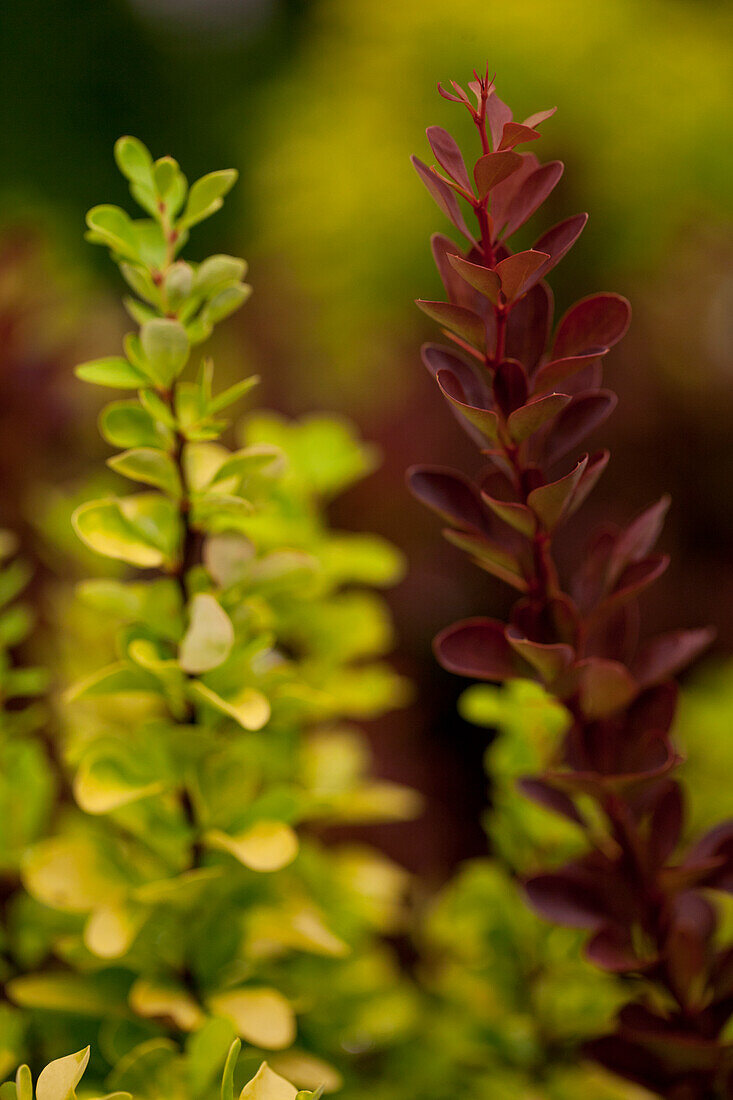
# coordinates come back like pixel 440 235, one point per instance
pixel 24 1083
pixel 178 283
pixel 259 459
pixel 249 707
pixel 227 1081
pixel 102 526
pixel 126 424
pixel 166 349
pixel 165 171
pixel 118 678
pixel 150 466
pixel 217 270
pixel 111 226
pixel 139 280
pixel 226 301
pixel 206 195
pixel 210 636
pixel 111 371
pixel 232 394
pixel 134 160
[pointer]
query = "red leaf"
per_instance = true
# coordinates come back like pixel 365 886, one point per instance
pixel 548 660
pixel 497 116
pixel 552 799
pixel 491 556
pixel 443 196
pixel 665 655
pixel 554 373
pixel 514 133
pixel 530 418
pixel 550 502
pixel 484 419
pixel 458 319
pixel 448 155
pixel 476 648
pixel 528 326
pixel 516 272
pixel 638 539
pixel 504 194
pixel 510 386
pixel 665 825
pixel 605 687
pixel 634 579
pixel 611 950
pixel 528 198
pixel 516 515
pixel 558 241
pixel 539 117
pixel 582 415
pixel 483 279
pixel 455 287
pixel 450 494
pixel 437 358
pixel 596 465
pixel 560 898
pixel 462 98
pixel 493 168
pixel 596 322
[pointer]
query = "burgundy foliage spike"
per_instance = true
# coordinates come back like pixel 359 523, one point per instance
pixel 529 398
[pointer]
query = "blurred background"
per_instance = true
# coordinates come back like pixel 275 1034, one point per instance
pixel 319 103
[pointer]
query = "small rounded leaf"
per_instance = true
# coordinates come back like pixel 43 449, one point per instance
pixel 59 1079
pixel 166 349
pixel 261 1015
pixel 210 636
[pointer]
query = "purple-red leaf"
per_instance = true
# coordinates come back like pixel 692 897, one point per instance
pixel 450 494
pixel 528 326
pixel 605 687
pixel 550 798
pixel 515 133
pixel 443 196
pixel 530 418
pixel 551 502
pixel 596 322
pixel 448 155
pixel 483 279
pixel 548 660
pixel 562 899
pixel 497 116
pixel 582 415
pixel 476 648
pixel 516 272
pixel 596 465
pixel 529 196
pixel 638 539
pixel 665 655
pixel 558 241
pixel 491 169
pixel 484 419
pixel 552 374
pixel 516 515
pixel 539 117
pixel 437 358
pixel 489 555
pixel 464 322
pixel 510 386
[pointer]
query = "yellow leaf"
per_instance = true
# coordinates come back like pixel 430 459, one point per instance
pixel 267 846
pixel 59 1079
pixel 267 1085
pixel 261 1016
pixel 110 930
pixel 153 1000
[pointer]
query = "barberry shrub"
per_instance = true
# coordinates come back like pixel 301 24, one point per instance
pixel 183 897
pixel 528 393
